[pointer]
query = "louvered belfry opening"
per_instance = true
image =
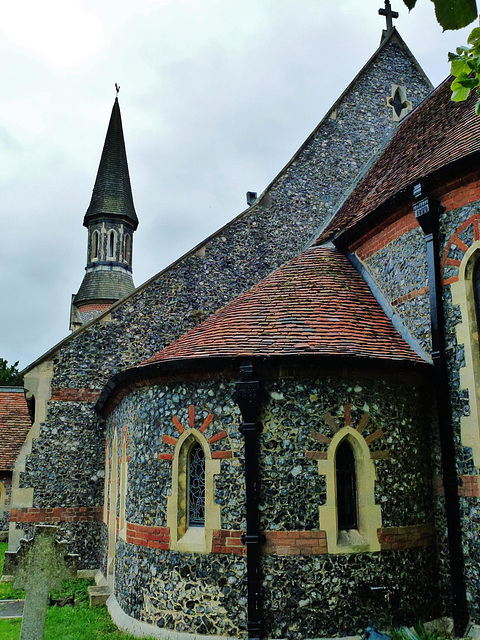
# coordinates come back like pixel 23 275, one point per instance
pixel 347 509
pixel 196 486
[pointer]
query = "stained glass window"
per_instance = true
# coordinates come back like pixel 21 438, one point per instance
pixel 196 487
pixel 346 488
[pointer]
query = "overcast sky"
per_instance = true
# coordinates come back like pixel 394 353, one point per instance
pixel 216 96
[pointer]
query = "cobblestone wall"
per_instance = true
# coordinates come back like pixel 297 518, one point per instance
pixel 400 269
pixel 66 463
pixel 210 592
pixel 6 480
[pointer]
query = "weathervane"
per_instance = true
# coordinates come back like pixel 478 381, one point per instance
pixel 117 88
pixel 389 14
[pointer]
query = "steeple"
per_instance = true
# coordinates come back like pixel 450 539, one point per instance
pixel 111 221
pixel 112 193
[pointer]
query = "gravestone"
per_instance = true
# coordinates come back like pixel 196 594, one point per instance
pixel 40 565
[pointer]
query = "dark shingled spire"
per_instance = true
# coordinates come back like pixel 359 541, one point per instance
pixel 111 222
pixel 112 193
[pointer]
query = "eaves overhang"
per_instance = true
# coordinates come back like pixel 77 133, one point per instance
pixel 436 182
pixel 137 377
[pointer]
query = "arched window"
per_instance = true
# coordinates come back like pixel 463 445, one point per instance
pixel 127 251
pixel 196 486
pixel 122 523
pixel 347 506
pixel 192 513
pixel 476 291
pixel 111 244
pixel 350 516
pixel 466 295
pixel 95 242
pixel 3 498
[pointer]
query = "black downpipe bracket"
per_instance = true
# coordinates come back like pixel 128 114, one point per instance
pixel 247 397
pixel 427 212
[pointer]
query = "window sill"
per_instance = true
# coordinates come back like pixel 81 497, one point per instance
pixel 351 541
pixel 193 541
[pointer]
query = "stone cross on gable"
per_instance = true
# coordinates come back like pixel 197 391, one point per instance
pixel 389 15
pixel 40 565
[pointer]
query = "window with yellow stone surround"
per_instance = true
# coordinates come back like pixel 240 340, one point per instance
pixel 190 529
pixel 350 517
pixel 3 498
pixel 122 524
pixel 467 333
pixel 106 482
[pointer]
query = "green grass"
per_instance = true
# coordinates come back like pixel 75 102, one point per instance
pixel 64 623
pixel 7 592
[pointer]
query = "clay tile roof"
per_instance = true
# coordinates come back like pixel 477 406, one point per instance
pixel 437 133
pixel 317 304
pixel 14 425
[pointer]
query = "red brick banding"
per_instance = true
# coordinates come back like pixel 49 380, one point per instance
pixel 228 541
pixel 74 395
pixel 296 543
pixel 417 535
pixel 57 514
pixel 470 487
pixel 146 536
pixel 410 295
pixel 206 422
pixel 463 195
pixel 165 456
pixel 94 307
pixel 392 228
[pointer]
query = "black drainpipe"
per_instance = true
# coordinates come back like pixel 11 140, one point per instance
pixel 247 396
pixel 427 212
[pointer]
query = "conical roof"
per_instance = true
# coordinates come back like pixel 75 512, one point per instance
pixel 102 285
pixel 112 193
pixel 316 304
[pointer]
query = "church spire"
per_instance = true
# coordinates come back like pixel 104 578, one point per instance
pixel 111 221
pixel 112 193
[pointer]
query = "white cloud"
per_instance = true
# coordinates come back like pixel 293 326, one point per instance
pixel 62 34
pixel 216 96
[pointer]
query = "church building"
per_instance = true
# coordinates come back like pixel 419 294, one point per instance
pixel 278 436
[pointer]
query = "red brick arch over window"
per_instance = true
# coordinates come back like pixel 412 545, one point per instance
pixel 455 242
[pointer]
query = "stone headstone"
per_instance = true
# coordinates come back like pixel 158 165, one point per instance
pixel 39 565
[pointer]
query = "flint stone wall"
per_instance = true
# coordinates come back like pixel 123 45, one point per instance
pixel 450 222
pixel 291 491
pixel 260 240
pixel 400 268
pixel 6 480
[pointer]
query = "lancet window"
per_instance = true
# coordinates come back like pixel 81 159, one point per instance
pixel 196 486
pixel 347 506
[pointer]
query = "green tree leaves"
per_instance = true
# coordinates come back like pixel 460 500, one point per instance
pixel 465 67
pixel 465 63
pixel 9 374
pixel 452 14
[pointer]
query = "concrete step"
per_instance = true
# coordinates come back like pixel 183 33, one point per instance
pixel 98 595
